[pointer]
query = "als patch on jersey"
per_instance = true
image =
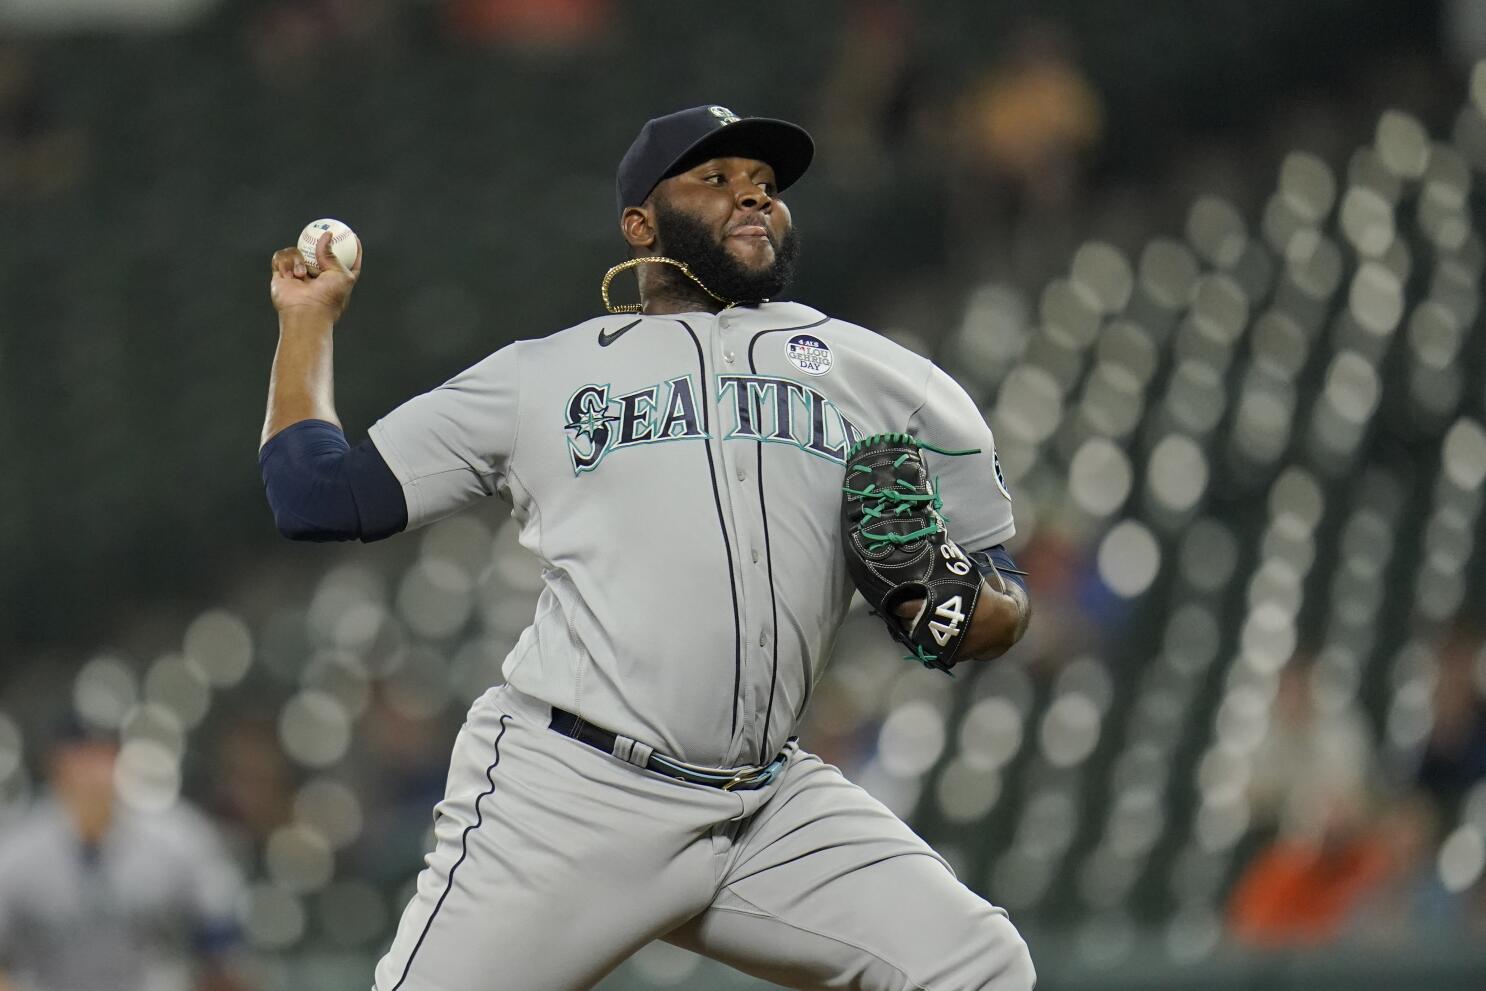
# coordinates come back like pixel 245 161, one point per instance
pixel 809 354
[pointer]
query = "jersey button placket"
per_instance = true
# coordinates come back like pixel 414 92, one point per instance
pixel 737 503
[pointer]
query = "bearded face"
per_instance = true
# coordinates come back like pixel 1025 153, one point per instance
pixel 742 274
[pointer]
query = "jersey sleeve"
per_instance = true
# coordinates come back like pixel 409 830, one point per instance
pixel 454 445
pixel 977 506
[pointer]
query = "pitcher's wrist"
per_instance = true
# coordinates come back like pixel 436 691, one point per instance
pixel 306 318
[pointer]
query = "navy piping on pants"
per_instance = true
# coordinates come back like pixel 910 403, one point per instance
pixel 464 850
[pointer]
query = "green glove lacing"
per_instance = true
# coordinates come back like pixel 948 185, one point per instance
pixel 897 501
pixel 893 502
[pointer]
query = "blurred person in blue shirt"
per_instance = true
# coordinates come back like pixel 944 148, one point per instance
pixel 96 895
pixel 1454 756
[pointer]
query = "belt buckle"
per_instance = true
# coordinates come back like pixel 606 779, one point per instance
pixel 740 778
pixel 763 774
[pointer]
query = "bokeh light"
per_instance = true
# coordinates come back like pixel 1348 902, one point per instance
pixel 148 775
pixel 314 729
pixel 104 691
pixel 219 645
pixel 273 918
pixel 1129 559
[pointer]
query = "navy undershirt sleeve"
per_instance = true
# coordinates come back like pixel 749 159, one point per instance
pixel 321 488
pixel 997 558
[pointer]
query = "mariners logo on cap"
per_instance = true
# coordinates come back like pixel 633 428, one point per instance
pixel 725 115
pixel 809 354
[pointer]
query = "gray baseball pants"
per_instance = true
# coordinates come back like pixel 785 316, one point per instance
pixel 554 862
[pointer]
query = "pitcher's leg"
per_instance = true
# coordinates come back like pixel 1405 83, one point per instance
pixel 831 890
pixel 552 864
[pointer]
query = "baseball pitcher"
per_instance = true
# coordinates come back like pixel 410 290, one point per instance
pixel 705 476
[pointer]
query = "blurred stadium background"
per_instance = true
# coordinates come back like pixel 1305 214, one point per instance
pixel 1212 266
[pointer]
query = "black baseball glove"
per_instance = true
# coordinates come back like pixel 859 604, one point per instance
pixel 897 549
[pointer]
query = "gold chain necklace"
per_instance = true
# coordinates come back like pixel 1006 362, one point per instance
pixel 662 259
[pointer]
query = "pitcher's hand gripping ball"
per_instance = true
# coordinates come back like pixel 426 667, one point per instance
pixel 343 243
pixel 897 549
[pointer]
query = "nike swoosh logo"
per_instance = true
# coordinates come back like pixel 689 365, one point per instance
pixel 606 339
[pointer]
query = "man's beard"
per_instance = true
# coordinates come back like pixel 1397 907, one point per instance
pixel 687 239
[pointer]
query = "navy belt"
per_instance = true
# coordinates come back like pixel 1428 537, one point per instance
pixel 744 778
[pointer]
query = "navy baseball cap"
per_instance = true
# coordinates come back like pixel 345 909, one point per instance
pixel 674 143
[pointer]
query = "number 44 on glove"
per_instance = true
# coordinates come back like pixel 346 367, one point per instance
pixel 898 551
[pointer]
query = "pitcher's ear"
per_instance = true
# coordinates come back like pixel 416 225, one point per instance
pixel 637 224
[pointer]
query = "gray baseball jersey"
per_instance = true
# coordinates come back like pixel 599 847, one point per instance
pixel 127 918
pixel 680 479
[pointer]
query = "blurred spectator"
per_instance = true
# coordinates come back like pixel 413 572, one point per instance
pixel 1302 890
pixel 253 780
pixel 1410 903
pixel 291 34
pixel 1027 128
pixel 1310 760
pixel 533 25
pixel 1076 612
pixel 405 760
pixel 39 156
pixel 870 95
pixel 1455 756
pixel 1034 115
pixel 1368 875
pixel 98 895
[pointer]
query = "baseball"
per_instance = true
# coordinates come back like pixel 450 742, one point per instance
pixel 343 243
